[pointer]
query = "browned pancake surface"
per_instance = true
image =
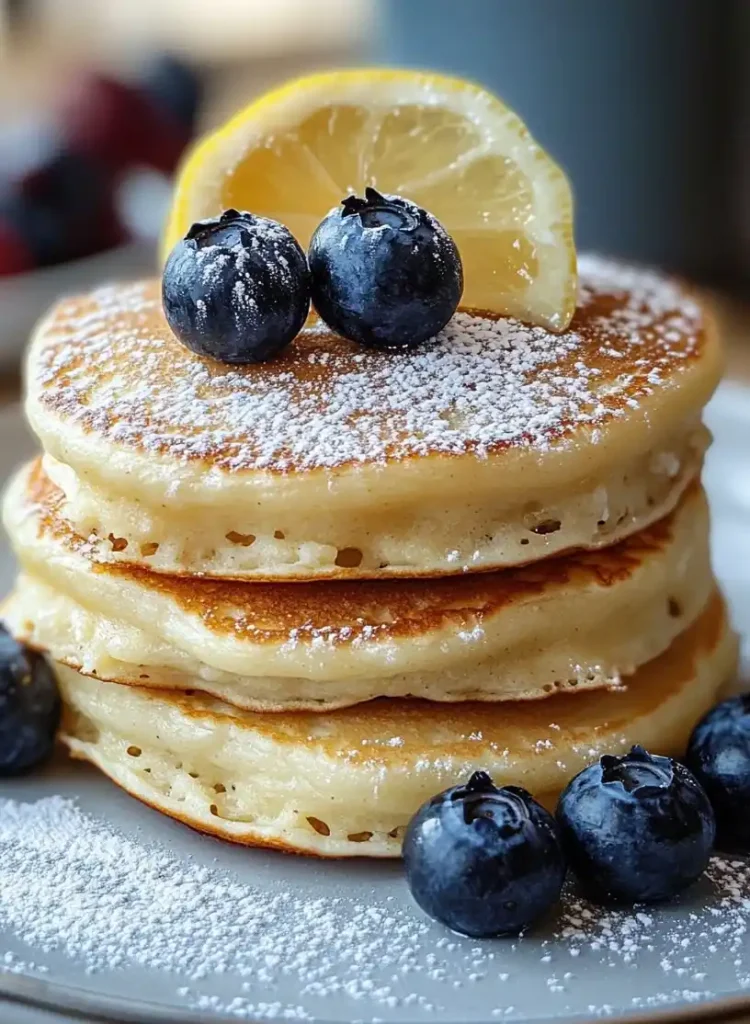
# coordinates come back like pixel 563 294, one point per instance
pixel 395 731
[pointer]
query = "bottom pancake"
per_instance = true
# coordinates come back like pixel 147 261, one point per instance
pixel 346 783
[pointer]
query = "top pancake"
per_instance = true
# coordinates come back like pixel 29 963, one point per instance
pixel 109 363
pixel 309 444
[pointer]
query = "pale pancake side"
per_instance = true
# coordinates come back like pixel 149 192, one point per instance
pixel 345 784
pixel 581 620
pixel 355 458
pixel 449 536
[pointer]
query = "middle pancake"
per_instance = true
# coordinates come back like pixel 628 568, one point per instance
pixel 580 621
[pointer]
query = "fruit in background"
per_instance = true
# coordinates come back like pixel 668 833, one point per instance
pixel 105 119
pixel 236 288
pixel 119 125
pixel 63 201
pixel 637 828
pixel 719 756
pixel 15 255
pixel 174 87
pixel 384 272
pixel 70 209
pixel 482 860
pixel 448 145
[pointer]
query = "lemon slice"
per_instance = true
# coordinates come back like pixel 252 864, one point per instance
pixel 448 145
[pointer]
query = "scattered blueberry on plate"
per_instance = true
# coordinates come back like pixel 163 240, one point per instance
pixel 719 756
pixel 29 707
pixel 236 288
pixel 637 828
pixel 384 272
pixel 484 860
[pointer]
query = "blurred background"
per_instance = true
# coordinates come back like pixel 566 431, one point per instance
pixel 645 102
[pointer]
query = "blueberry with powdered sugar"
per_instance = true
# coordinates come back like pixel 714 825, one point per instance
pixel 236 288
pixel 385 273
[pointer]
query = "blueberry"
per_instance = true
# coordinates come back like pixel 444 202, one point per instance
pixel 236 288
pixel 29 707
pixel 385 273
pixel 637 828
pixel 174 86
pixel 484 861
pixel 65 207
pixel 719 756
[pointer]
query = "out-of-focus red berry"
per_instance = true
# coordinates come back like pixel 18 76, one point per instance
pixel 105 119
pixel 15 255
pixel 119 125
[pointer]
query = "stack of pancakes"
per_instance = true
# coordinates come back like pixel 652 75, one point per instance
pixel 290 602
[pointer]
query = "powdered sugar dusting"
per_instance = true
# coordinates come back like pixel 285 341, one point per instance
pixel 268 247
pixel 110 364
pixel 71 885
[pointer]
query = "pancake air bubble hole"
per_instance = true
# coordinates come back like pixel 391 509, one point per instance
pixel 214 810
pixel 319 826
pixel 134 751
pixel 349 558
pixel 149 549
pixel 675 608
pixel 245 539
pixel 219 787
pixel 118 543
pixel 360 837
pixel 547 526
pixel 279 535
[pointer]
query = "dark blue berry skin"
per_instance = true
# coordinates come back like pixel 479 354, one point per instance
pixel 29 707
pixel 236 288
pixel 719 757
pixel 385 273
pixel 174 86
pixel 63 208
pixel 484 861
pixel 637 828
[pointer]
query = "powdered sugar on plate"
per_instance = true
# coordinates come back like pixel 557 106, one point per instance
pixel 313 945
pixel 109 363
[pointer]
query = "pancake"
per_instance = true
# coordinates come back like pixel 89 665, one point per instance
pixel 493 445
pixel 580 621
pixel 345 784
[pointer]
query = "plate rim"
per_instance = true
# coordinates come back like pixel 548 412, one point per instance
pixel 80 1003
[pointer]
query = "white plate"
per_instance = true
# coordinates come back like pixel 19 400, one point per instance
pixel 342 941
